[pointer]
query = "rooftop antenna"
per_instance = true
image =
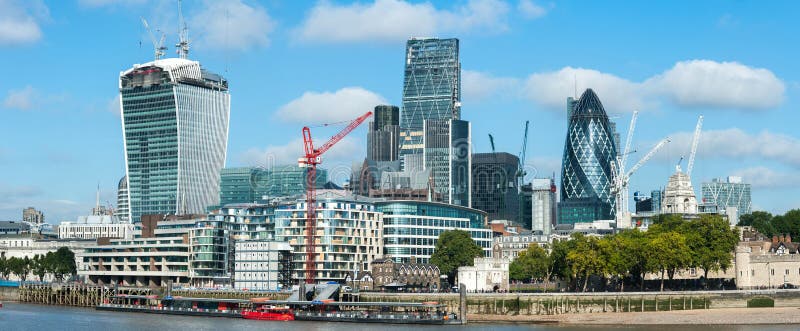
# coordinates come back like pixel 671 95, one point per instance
pixel 575 81
pixel 183 34
pixel 97 198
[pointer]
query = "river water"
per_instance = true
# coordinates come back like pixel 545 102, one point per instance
pixel 22 317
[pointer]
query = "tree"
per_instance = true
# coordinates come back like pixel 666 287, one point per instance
pixel 19 267
pixel 4 268
pixel 63 263
pixel 632 251
pixel 668 252
pixel 586 259
pixel 532 263
pixel 562 268
pixel 711 242
pixel 40 266
pixel 454 248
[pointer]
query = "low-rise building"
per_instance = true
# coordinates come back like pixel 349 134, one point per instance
pixel 487 274
pixel 262 265
pixel 765 263
pixel 95 226
pixel 13 228
pixel 509 247
pixel 392 276
pixel 158 254
pixel 27 246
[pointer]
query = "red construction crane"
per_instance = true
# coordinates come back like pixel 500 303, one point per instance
pixel 310 161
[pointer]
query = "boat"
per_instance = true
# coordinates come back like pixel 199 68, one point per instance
pixel 269 313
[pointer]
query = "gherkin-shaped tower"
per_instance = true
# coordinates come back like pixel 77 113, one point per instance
pixel 589 150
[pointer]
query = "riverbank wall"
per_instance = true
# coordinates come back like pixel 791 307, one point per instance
pixel 9 293
pixel 571 303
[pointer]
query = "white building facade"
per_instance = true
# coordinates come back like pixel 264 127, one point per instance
pixel 95 226
pixel 486 275
pixel 262 265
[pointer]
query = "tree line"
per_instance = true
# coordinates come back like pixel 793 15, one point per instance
pixel 771 225
pixel 60 264
pixel 670 244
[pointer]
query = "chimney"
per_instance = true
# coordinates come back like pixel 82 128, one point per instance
pixel 775 239
pixel 782 238
pixel 788 238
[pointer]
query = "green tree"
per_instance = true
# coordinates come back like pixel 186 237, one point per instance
pixel 711 242
pixel 4 267
pixel 19 267
pixel 39 266
pixel 632 251
pixel 587 259
pixel 668 252
pixel 532 263
pixel 454 248
pixel 62 264
pixel 562 268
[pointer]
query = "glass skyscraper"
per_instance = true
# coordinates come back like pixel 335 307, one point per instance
pixel 175 132
pixel 447 154
pixel 383 137
pixel 494 185
pixel 589 150
pixel 431 88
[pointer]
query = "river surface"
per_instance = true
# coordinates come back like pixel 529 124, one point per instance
pixel 22 317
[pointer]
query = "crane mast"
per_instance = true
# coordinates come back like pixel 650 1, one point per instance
pixel 695 141
pixel 521 169
pixel 310 160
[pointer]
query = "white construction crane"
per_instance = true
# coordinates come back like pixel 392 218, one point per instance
pixel 695 141
pixel 183 34
pixel 620 182
pixel 158 46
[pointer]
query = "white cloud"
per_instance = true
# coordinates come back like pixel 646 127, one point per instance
pixel 231 25
pixel 22 99
pixel 688 84
pixel 478 85
pixel 395 20
pixel 326 107
pixel 551 89
pixel 19 21
pixel 530 9
pixel 736 144
pixel 763 177
pixel 704 83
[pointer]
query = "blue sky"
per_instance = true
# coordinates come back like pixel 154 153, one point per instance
pixel 292 63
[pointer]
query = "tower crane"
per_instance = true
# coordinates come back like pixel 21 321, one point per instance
pixel 521 169
pixel 183 34
pixel 620 180
pixel 158 46
pixel 695 141
pixel 313 157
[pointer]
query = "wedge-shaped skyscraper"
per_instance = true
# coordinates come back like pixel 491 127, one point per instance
pixel 175 132
pixel 589 150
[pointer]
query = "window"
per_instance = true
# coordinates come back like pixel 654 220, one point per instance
pixel 772 271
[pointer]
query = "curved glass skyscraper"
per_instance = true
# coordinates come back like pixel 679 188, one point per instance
pixel 589 150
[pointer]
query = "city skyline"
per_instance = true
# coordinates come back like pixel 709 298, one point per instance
pixel 520 61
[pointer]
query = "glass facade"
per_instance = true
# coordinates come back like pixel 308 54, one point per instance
pixel 729 193
pixel 494 185
pixel 175 130
pixel 589 150
pixel 249 184
pixel 412 228
pixel 383 136
pixel 448 156
pixel 431 88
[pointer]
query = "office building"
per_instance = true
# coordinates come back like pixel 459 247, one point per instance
pixel 448 156
pixel 349 232
pixel 494 185
pixel 175 133
pixel 123 210
pixel 251 184
pixel 589 149
pixel 412 228
pixel 431 88
pixel 33 216
pixel 730 192
pixel 383 136
pixel 262 265
pixel 543 205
